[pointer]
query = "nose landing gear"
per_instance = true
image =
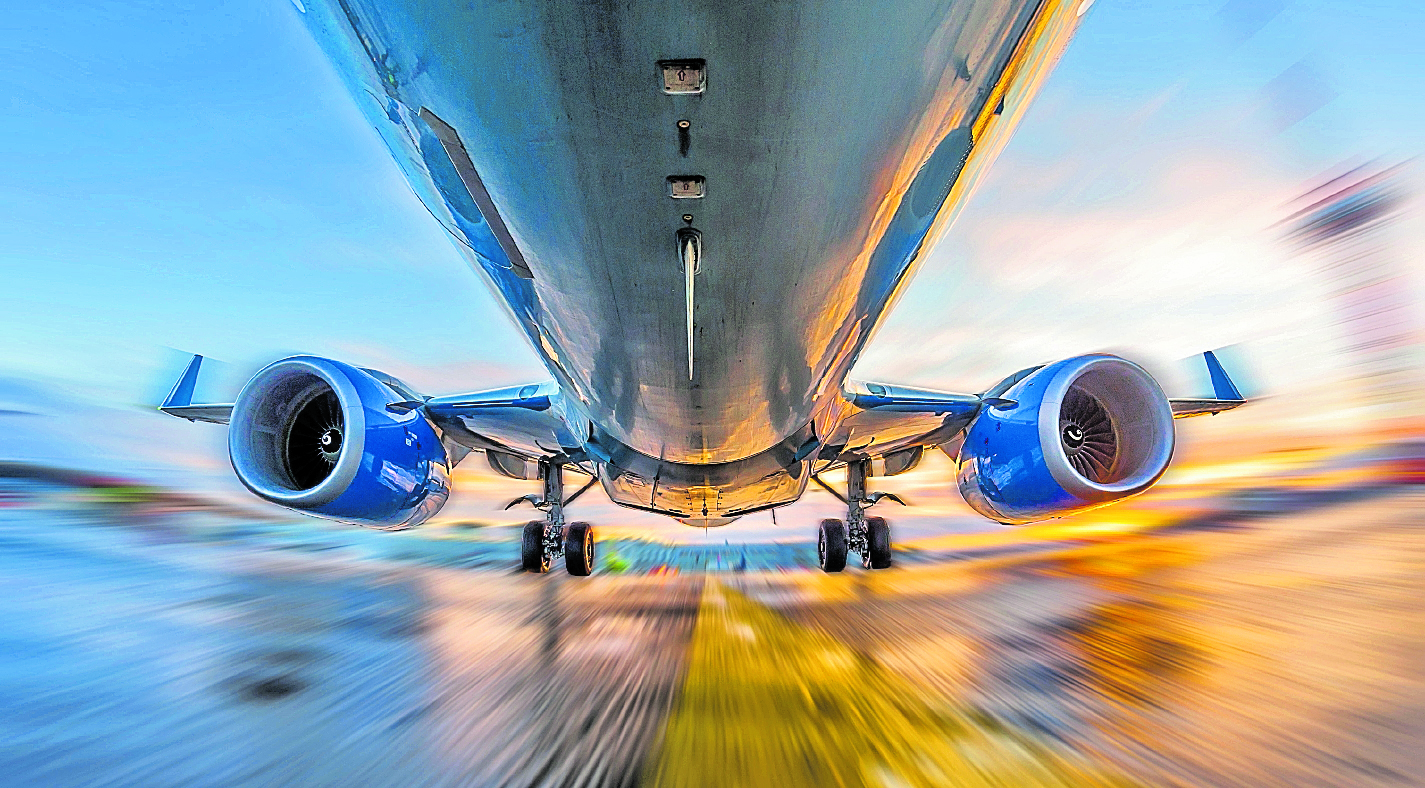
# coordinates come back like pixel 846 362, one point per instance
pixel 869 537
pixel 542 541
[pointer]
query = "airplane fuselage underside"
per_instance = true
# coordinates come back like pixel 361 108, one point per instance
pixel 813 149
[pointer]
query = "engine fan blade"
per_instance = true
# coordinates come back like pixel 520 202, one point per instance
pixel 1086 433
pixel 314 441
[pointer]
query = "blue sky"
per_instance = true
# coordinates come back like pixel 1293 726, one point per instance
pixel 191 177
pixel 1133 210
pixel 194 178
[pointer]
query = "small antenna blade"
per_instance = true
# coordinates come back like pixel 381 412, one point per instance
pixel 690 250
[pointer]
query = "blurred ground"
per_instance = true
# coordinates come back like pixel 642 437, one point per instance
pixel 1269 636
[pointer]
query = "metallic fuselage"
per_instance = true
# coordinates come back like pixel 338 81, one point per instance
pixel 834 139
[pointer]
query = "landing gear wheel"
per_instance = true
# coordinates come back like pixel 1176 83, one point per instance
pixel 831 546
pixel 878 540
pixel 532 555
pixel 579 549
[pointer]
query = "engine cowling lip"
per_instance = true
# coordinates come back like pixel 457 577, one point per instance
pixel 348 462
pixel 1057 460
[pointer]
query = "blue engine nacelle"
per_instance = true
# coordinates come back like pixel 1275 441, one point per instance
pixel 1080 433
pixel 315 435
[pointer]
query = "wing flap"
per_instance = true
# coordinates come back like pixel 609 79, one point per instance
pixel 1186 408
pixel 212 414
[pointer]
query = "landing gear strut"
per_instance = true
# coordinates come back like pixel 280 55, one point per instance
pixel 545 540
pixel 869 537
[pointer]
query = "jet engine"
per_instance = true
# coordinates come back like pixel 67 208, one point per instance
pixel 1073 435
pixel 317 436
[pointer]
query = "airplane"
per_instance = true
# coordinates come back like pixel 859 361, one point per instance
pixel 697 212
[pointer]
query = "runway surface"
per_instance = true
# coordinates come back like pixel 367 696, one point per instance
pixel 1281 650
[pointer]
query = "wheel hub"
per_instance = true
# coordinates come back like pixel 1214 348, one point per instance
pixel 856 531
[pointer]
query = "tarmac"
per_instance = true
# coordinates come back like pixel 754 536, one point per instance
pixel 1275 650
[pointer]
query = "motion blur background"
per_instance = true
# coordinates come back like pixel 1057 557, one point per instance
pixel 191 178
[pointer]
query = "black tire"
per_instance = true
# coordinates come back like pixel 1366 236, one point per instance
pixel 579 549
pixel 532 557
pixel 831 545
pixel 878 535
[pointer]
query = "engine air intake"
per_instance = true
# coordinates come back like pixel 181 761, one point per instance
pixel 314 439
pixel 320 437
pixel 1086 431
pixel 1078 433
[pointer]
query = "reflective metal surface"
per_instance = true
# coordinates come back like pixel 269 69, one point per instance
pixel 834 142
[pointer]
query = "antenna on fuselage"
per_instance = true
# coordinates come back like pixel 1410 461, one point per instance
pixel 690 254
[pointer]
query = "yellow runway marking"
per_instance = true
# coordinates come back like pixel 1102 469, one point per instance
pixel 768 702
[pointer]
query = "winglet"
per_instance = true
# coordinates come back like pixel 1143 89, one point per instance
pixel 180 400
pixel 1222 386
pixel 1225 395
pixel 182 393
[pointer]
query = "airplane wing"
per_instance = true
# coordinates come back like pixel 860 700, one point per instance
pixel 1186 407
pixel 893 424
pixel 180 400
pixel 1225 393
pixel 515 425
pixel 525 422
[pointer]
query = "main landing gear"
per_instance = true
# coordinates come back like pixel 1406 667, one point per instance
pixel 869 537
pixel 545 540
